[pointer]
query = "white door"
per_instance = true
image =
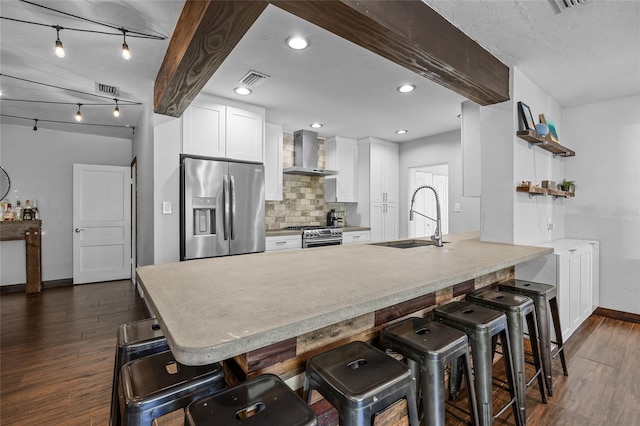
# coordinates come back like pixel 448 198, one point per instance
pixel 101 223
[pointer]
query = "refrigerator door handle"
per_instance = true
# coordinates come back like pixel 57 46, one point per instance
pixel 225 218
pixel 233 207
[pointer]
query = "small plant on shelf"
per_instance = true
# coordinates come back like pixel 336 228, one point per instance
pixel 568 186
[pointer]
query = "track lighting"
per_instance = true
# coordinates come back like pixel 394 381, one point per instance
pixel 59 47
pixel 126 54
pixel 116 111
pixel 35 126
pixel 79 114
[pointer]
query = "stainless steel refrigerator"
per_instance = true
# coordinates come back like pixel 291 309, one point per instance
pixel 222 207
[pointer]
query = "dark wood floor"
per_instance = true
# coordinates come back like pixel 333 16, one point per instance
pixel 57 349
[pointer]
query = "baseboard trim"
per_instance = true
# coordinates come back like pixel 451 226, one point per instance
pixel 619 315
pixel 16 288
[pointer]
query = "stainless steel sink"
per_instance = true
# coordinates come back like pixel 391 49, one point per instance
pixel 405 244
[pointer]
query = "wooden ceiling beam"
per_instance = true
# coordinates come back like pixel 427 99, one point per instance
pixel 206 32
pixel 407 32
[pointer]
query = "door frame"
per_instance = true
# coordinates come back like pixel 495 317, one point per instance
pixel 134 221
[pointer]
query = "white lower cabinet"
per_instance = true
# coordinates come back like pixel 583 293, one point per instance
pixel 353 237
pixel 574 269
pixel 384 221
pixel 284 242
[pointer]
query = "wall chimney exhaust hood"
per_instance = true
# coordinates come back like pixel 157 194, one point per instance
pixel 305 155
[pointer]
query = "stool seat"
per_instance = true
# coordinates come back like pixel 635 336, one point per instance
pixel 135 340
pixel 155 385
pixel 545 301
pixel 482 326
pixel 263 401
pixel 360 381
pixel 429 347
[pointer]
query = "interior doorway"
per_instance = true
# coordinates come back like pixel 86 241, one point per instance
pixel 436 176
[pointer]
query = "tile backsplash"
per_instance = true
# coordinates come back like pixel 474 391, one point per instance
pixel 303 196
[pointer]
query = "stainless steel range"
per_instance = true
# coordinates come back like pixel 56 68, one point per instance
pixel 319 236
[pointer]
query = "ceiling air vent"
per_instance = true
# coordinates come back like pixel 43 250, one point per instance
pixel 253 79
pixel 563 5
pixel 105 89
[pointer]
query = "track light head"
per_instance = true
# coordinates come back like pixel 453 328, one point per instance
pixel 116 111
pixel 59 46
pixel 79 114
pixel 126 53
pixel 35 125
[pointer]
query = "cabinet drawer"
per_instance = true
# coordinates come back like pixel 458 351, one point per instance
pixel 356 237
pixel 285 242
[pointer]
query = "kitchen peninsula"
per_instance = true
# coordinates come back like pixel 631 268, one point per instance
pixel 269 312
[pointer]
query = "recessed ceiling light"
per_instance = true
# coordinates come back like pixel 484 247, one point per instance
pixel 297 43
pixel 316 125
pixel 242 90
pixel 406 88
pixel 401 132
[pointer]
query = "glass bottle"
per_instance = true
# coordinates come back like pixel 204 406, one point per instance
pixel 17 211
pixel 8 213
pixel 27 214
pixel 35 214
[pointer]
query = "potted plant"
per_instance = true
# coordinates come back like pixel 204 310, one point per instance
pixel 568 186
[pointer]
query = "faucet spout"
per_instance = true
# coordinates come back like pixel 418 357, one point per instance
pixel 437 236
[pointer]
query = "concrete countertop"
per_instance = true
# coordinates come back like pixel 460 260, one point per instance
pixel 214 309
pixel 281 232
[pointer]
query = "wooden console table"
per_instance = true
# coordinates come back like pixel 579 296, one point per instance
pixel 29 231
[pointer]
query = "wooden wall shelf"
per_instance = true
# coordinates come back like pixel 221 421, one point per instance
pixel 545 143
pixel 536 190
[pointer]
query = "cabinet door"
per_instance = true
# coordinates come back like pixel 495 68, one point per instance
pixel 245 130
pixel 354 237
pixel 377 172
pixel 391 221
pixel 585 281
pixel 377 219
pixel 595 275
pixel 563 285
pixel 203 130
pixel 575 289
pixel 347 166
pixel 273 162
pixel 391 173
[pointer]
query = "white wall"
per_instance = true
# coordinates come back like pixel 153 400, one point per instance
pixel 438 149
pixel 167 141
pixel 143 151
pixel 40 166
pixel 507 216
pixel 606 138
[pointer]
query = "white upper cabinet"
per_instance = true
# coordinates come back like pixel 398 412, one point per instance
pixel 273 162
pixel 341 154
pixel 213 128
pixel 203 130
pixel 385 159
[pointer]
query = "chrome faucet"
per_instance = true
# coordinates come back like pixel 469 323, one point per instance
pixel 437 236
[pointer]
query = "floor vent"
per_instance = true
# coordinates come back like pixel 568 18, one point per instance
pixel 105 89
pixel 253 79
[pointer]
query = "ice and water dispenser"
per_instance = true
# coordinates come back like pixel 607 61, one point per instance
pixel 204 215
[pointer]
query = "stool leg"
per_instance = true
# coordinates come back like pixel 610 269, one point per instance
pixel 432 378
pixel 455 379
pixel 553 303
pixel 482 360
pixel 542 316
pixel 416 374
pixel 511 378
pixel 471 393
pixel 516 340
pixel 535 349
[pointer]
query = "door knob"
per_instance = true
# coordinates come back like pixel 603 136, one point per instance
pixel 79 229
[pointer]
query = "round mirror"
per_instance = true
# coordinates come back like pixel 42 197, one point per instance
pixel 5 183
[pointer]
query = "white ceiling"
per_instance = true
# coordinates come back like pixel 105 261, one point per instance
pixel 587 54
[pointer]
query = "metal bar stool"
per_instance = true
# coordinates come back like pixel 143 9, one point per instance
pixel 518 309
pixel 429 347
pixel 482 325
pixel 155 385
pixel 136 339
pixel 360 381
pixel 545 302
pixel 263 401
